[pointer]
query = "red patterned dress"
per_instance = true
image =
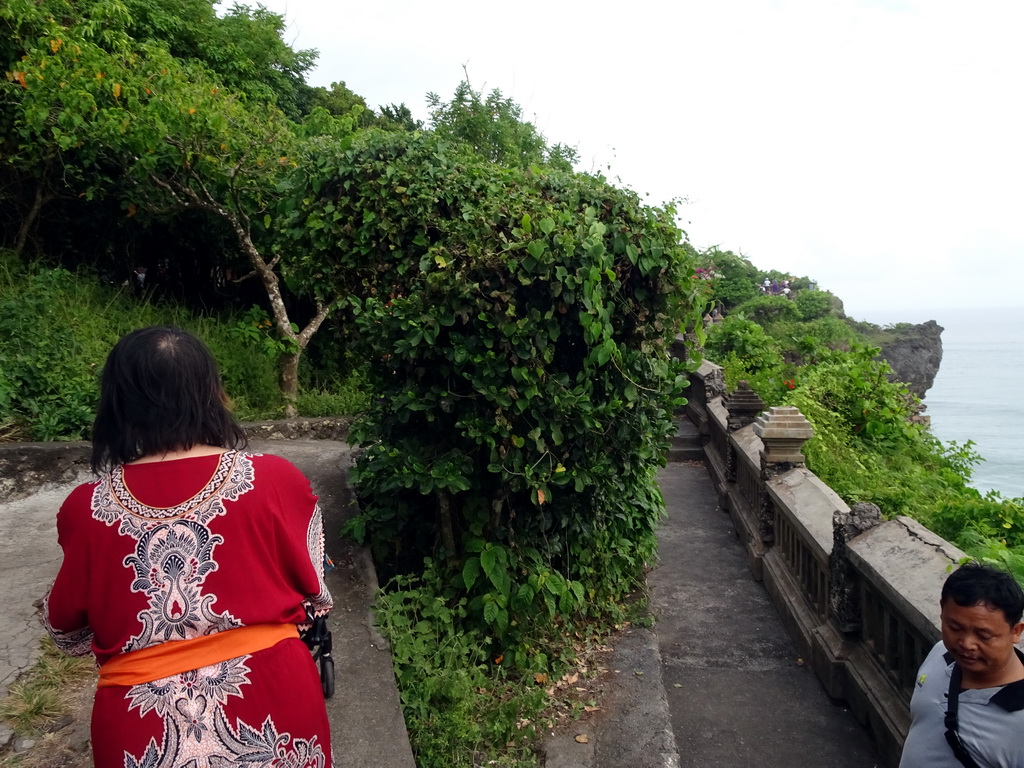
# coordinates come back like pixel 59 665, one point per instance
pixel 182 549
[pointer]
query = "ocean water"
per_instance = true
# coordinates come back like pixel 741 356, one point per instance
pixel 978 393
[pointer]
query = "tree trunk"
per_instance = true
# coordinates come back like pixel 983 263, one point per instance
pixel 264 270
pixel 290 382
pixel 444 510
pixel 30 218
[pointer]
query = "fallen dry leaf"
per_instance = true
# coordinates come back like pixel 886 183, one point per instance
pixel 583 738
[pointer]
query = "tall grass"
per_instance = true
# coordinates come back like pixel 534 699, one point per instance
pixel 56 329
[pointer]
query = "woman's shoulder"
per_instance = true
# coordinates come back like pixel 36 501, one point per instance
pixel 82 492
pixel 79 501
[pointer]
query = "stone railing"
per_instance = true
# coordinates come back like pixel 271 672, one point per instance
pixel 859 595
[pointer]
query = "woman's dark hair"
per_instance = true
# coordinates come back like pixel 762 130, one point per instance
pixel 977 584
pixel 160 392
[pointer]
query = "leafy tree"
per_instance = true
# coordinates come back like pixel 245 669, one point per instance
pixel 744 338
pixel 766 310
pixel 397 117
pixel 340 100
pixel 813 304
pixel 735 279
pixel 124 117
pixel 244 48
pixel 493 126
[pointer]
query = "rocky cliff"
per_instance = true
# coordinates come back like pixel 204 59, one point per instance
pixel 914 352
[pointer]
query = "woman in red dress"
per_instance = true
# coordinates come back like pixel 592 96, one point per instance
pixel 187 567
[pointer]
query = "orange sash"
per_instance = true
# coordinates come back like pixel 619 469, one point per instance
pixel 176 656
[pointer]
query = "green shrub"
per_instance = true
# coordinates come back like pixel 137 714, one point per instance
pixel 517 328
pixel 460 706
pixel 746 340
pixel 349 398
pixel 813 304
pixel 56 329
pixel 765 310
pixel 734 278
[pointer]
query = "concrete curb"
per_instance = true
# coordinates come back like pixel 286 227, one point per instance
pixel 633 727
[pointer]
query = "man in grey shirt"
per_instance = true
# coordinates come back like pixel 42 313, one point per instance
pixel 981 624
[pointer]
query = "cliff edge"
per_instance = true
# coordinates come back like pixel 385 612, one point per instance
pixel 914 352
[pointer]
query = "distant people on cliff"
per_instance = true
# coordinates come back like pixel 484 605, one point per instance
pixel 775 288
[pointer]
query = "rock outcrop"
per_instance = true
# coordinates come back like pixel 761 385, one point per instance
pixel 914 352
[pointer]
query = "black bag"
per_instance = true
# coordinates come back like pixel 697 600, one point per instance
pixel 318 639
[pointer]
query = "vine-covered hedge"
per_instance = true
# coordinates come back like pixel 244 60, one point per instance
pixel 518 326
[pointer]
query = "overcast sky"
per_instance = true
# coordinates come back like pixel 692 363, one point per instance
pixel 875 146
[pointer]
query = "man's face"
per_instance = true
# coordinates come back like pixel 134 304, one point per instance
pixel 980 638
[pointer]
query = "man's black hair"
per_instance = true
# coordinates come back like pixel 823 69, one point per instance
pixel 160 392
pixel 977 584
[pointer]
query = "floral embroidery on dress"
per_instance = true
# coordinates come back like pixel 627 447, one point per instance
pixel 322 603
pixel 111 499
pixel 173 555
pixel 75 643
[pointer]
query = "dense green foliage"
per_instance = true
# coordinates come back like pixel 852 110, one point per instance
pixel 516 327
pixel 57 328
pixel 523 400
pixel 869 443
pixel 732 279
pixel 146 115
pixel 493 127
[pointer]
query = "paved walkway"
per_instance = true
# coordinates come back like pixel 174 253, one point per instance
pixel 738 695
pixel 716 683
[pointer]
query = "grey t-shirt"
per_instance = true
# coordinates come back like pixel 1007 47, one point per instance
pixel 991 720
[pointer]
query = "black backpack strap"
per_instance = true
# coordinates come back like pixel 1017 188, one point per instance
pixel 952 725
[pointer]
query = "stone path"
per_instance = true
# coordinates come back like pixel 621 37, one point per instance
pixel 716 681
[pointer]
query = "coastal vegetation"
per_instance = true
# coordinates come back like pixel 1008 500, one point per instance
pixel 870 441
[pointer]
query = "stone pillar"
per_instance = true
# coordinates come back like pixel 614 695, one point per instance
pixel 743 406
pixel 844 594
pixel 783 431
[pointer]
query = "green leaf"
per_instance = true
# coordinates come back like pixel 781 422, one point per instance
pixel 491 561
pixel 547 225
pixel 470 571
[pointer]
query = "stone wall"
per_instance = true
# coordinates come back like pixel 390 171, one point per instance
pixel 26 467
pixel 859 595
